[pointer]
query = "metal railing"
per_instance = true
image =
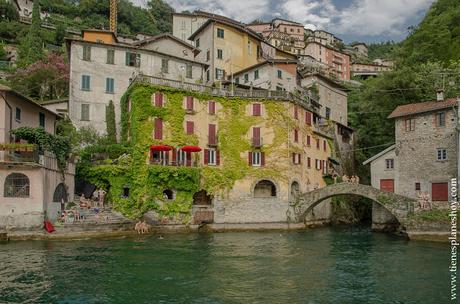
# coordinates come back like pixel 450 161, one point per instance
pixel 10 156
pixel 225 92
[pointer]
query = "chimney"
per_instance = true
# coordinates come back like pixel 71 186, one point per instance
pixel 439 95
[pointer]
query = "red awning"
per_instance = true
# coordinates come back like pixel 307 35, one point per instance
pixel 160 148
pixel 191 149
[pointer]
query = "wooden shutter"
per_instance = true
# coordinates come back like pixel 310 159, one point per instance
pixel 296 135
pixel 158 128
pixel 158 99
pixel 308 162
pixel 189 103
pixel 189 158
pixel 308 140
pixel 317 143
pixel 206 156
pixel 212 134
pixel 250 158
pixel 308 118
pixel 256 109
pixel 262 159
pixel 300 158
pixel 174 155
pixel 293 158
pixel 212 107
pixel 256 136
pixel 439 191
pixel 296 112
pixel 324 145
pixel 190 127
pixel 217 157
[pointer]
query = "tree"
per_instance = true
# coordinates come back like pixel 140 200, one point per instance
pixel 7 11
pixel 2 52
pixel 59 35
pixel 31 47
pixel 111 124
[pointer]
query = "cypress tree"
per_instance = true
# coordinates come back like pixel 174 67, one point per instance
pixel 110 121
pixel 31 47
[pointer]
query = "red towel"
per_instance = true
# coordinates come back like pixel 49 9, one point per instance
pixel 48 226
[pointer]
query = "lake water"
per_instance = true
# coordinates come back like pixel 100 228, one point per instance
pixel 324 265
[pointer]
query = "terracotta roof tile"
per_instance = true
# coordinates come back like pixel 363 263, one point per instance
pixel 422 107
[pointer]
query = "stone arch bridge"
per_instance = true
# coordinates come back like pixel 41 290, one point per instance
pixel 398 205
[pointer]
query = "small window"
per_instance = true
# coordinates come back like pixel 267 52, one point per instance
pixel 190 127
pixel 246 78
pixel 18 115
pixel 85 112
pixel 220 54
pixel 211 107
pixel 220 33
pixel 249 48
pixel 197 43
pixel 133 59
pixel 164 65
pixel 409 124
pixel 109 85
pixel 256 109
pixel 86 53
pixel 296 158
pixel 41 119
pixel 208 75
pixel 441 119
pixel 256 74
pixel 417 187
pixel 125 192
pixel 256 159
pixel 441 154
pixel 328 113
pixel 389 164
pixel 16 185
pixel 308 140
pixel 189 71
pixel 110 56
pixel 85 82
pixel 208 55
pixel 212 157
pixel 237 80
pixel 280 74
pixel 296 135
pixel 219 74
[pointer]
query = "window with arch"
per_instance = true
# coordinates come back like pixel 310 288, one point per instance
pixel 265 188
pixel 17 185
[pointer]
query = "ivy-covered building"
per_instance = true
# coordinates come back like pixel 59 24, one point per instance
pixel 196 157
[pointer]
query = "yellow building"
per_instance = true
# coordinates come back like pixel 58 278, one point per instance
pixel 229 46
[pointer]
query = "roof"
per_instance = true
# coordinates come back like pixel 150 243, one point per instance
pixel 390 148
pixel 423 107
pixel 166 36
pixel 5 88
pixel 358 43
pixel 268 61
pixel 326 79
pixel 291 22
pixel 240 26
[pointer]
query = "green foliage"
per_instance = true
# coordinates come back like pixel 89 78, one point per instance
pixel 437 38
pixel 111 124
pixel 59 145
pixel 31 47
pixel 59 34
pixel 8 11
pixel 2 52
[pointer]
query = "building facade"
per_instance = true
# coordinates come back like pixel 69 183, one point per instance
pixel 338 62
pixel 101 70
pixel 31 185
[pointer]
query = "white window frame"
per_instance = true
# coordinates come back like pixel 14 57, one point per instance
pixel 181 157
pixel 256 159
pixel 441 154
pixel 389 163
pixel 212 157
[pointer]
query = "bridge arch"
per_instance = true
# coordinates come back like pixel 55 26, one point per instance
pixel 398 205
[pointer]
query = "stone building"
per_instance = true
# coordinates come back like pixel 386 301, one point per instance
pixel 360 48
pixel 274 163
pixel 365 70
pixel 424 157
pixel 101 69
pixel 338 62
pixel 31 186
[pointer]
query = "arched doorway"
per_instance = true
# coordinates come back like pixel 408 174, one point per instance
pixel 265 189
pixel 295 191
pixel 168 194
pixel 16 185
pixel 202 198
pixel 60 193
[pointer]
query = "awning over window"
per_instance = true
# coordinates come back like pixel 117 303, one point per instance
pixel 191 149
pixel 160 148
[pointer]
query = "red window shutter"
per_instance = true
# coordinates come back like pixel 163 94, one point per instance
pixel 250 158
pixel 308 162
pixel 190 103
pixel 320 165
pixel 256 136
pixel 324 145
pixel 296 112
pixel 206 156
pixel 439 191
pixel 158 99
pixel 189 159
pixel 308 140
pixel 174 155
pixel 190 127
pixel 293 158
pixel 262 159
pixel 300 159
pixel 212 107
pixel 217 157
pixel 256 109
pixel 212 134
pixel 158 128
pixel 317 143
pixel 308 118
pixel 296 135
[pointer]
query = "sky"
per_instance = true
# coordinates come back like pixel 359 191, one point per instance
pixel 350 20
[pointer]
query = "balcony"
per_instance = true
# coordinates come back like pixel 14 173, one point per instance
pixel 257 142
pixel 19 157
pixel 212 141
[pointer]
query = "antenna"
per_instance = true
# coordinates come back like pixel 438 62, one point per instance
pixel 113 15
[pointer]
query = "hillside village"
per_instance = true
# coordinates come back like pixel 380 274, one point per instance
pixel 217 122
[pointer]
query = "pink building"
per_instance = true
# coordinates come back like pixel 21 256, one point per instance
pixel 338 62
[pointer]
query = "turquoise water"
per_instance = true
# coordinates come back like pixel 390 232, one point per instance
pixel 325 265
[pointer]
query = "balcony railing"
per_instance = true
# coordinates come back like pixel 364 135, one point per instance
pixel 11 156
pixel 257 142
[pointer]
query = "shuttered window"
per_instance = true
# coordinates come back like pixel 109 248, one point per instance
pixel 296 135
pixel 308 118
pixel 109 85
pixel 189 71
pixel 158 133
pixel 86 53
pixel 190 127
pixel 85 82
pixel 85 112
pixel 324 145
pixel 308 140
pixel 212 107
pixel 110 56
pixel 212 139
pixel 159 99
pixel 189 103
pixel 256 109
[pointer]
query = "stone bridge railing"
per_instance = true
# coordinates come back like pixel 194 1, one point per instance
pixel 400 206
